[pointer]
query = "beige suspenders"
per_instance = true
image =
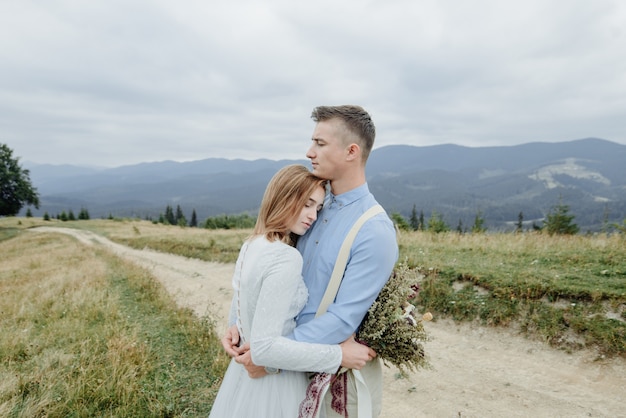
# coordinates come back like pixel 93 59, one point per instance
pixel 363 394
pixel 342 259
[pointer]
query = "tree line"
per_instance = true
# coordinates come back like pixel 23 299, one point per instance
pixel 171 217
pixel 83 215
pixel 558 220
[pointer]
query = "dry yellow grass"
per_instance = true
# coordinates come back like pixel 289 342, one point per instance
pixel 86 334
pixel 205 244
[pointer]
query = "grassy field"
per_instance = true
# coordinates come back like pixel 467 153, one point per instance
pixel 567 290
pixel 83 331
pixel 85 335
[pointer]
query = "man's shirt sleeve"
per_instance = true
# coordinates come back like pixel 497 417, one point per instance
pixel 371 262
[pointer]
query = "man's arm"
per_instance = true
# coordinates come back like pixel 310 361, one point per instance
pixel 373 257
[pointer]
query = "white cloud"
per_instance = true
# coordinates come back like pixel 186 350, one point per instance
pixel 119 82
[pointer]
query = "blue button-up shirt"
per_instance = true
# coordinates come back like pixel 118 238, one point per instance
pixel 372 258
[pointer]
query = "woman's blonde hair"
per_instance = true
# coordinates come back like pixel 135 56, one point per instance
pixel 285 196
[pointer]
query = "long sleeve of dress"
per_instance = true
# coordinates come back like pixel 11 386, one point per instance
pixel 281 294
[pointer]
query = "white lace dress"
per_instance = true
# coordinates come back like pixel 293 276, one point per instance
pixel 269 293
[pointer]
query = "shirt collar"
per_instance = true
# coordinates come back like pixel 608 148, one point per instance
pixel 351 196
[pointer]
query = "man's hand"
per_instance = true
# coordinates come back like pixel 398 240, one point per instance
pixel 354 355
pixel 230 341
pixel 253 370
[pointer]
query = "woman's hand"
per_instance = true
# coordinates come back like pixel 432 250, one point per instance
pixel 253 370
pixel 354 355
pixel 230 341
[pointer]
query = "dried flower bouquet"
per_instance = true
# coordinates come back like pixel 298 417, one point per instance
pixel 392 326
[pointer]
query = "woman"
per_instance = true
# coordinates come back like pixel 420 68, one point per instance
pixel 269 293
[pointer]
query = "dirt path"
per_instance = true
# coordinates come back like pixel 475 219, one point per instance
pixel 478 372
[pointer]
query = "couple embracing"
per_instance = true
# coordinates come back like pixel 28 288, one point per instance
pixel 291 332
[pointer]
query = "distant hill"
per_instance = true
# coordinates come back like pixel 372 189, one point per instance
pixel 458 182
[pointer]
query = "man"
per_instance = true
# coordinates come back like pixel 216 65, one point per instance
pixel 342 140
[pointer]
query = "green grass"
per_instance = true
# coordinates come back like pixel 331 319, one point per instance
pixel 8 233
pixel 569 291
pixel 85 334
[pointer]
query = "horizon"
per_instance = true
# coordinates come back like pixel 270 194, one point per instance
pixel 33 164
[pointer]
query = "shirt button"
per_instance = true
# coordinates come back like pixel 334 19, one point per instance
pixel 317 242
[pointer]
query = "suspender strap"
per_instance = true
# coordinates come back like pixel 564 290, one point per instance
pixel 342 259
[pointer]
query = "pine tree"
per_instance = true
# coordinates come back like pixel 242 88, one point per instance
pixel 413 220
pixel 194 219
pixel 180 217
pixel 29 213
pixel 559 221
pixel 479 224
pixel 83 214
pixel 436 223
pixel 169 215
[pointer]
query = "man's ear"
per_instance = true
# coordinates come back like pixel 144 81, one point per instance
pixel 353 152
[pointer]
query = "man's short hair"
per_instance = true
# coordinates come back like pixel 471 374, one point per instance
pixel 356 120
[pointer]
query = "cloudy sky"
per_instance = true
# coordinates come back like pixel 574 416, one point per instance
pixel 116 82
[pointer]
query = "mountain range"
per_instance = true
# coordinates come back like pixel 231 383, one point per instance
pixel 498 183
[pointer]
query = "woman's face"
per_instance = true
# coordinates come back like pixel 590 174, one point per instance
pixel 308 214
